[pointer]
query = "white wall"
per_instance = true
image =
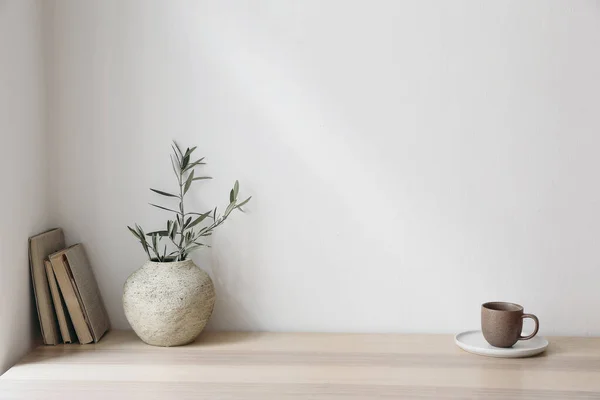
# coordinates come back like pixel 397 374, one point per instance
pixel 408 160
pixel 23 209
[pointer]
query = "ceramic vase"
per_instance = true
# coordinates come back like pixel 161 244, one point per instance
pixel 168 303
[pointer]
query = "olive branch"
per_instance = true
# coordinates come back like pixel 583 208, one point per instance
pixel 184 232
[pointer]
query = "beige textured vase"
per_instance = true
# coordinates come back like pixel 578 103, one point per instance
pixel 168 304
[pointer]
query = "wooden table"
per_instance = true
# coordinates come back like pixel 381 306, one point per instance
pixel 266 366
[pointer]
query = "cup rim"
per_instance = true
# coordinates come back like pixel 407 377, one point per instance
pixel 491 306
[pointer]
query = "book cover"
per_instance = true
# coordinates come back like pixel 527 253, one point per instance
pixel 40 247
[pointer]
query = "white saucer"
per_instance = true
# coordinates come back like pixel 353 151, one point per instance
pixel 473 342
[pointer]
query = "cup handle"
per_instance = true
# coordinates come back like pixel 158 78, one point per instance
pixel 537 326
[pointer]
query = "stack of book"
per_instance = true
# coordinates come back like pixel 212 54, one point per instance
pixel 68 301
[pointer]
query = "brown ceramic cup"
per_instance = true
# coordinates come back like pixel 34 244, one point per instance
pixel 502 323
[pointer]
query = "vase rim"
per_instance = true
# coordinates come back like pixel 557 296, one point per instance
pixel 170 263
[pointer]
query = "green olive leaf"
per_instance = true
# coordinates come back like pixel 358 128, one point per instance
pixel 134 232
pixel 158 233
pixel 199 219
pixel 162 208
pixel 190 151
pixel 164 193
pixel 155 242
pixel 243 203
pixel 173 230
pixel 188 182
pixel 176 168
pixel 178 148
pixel 236 189
pixel 194 164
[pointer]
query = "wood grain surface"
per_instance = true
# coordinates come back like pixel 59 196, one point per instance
pixel 265 366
